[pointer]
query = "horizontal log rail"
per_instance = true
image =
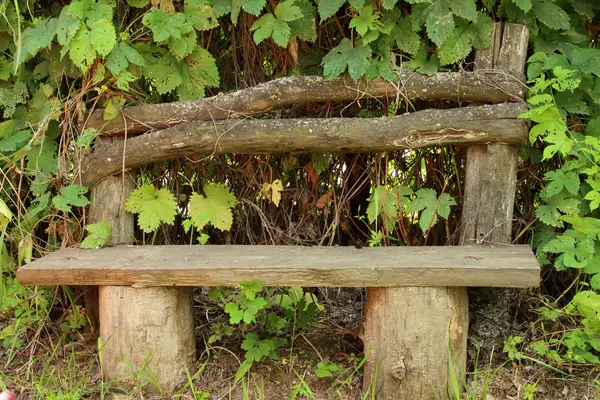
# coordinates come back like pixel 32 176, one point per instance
pixel 143 266
pixel 468 125
pixel 477 87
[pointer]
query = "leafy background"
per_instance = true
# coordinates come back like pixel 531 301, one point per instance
pixel 60 60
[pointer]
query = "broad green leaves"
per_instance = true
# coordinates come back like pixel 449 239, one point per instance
pixel 390 204
pixel 431 207
pixel 214 208
pixel 152 206
pixel 290 19
pixel 86 29
pixel 71 196
pixel 98 235
pixel 355 59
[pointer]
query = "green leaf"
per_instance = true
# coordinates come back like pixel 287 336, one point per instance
pixel 524 5
pixel 439 24
pixel 385 204
pixel 466 9
pixel 235 314
pixel 72 195
pixel 551 15
pixel 406 38
pixel 90 11
pixel 550 213
pixel 305 28
pixel 356 59
pixel 166 26
pixel 36 38
pixel 152 206
pixel 67 26
pixel 253 7
pixel 329 7
pixel 198 71
pixel 184 46
pixel 431 207
pixel 268 25
pixel 113 107
pixel 366 21
pixel 287 11
pixel 98 235
pixel 557 180
pixel 586 59
pixel 200 14
pixel 456 47
pixel 423 65
pixel 214 208
pixel 103 36
pixel 163 71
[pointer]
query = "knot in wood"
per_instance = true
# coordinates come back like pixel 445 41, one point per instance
pixel 398 370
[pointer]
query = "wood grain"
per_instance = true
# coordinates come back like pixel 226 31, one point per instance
pixel 467 125
pixel 489 87
pixel 140 266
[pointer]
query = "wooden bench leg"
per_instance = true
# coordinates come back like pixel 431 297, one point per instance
pixel 149 329
pixel 414 334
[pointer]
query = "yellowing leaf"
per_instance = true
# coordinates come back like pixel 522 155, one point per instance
pixel 272 191
pixel 5 215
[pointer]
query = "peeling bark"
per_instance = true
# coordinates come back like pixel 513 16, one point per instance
pixel 483 124
pixel 465 86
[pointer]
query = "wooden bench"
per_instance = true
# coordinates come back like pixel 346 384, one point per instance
pixel 416 313
pixel 136 323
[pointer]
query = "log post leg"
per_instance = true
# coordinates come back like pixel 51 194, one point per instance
pixel 490 185
pixel 147 336
pixel 414 336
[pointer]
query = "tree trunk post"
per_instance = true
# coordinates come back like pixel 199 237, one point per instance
pixel 413 336
pixel 416 337
pixel 147 335
pixel 490 185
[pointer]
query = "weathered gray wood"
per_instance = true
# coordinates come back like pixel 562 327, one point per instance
pixel 413 336
pixel 140 266
pixel 466 86
pixel 108 203
pixel 491 171
pixel 484 124
pixel 491 174
pixel 148 336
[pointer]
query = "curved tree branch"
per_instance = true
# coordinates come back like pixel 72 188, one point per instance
pixel 465 86
pixel 483 124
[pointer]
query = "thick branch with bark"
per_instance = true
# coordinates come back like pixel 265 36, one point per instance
pixel 465 86
pixel 468 125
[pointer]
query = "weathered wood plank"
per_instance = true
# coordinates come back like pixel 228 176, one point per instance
pixel 466 86
pixel 467 125
pixel 140 266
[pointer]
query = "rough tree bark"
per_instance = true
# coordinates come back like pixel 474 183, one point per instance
pixel 490 185
pixel 420 129
pixel 465 86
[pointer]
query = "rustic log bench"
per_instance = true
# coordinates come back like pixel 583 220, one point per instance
pixel 146 312
pixel 416 313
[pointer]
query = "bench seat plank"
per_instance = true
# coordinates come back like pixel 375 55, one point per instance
pixel 141 266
